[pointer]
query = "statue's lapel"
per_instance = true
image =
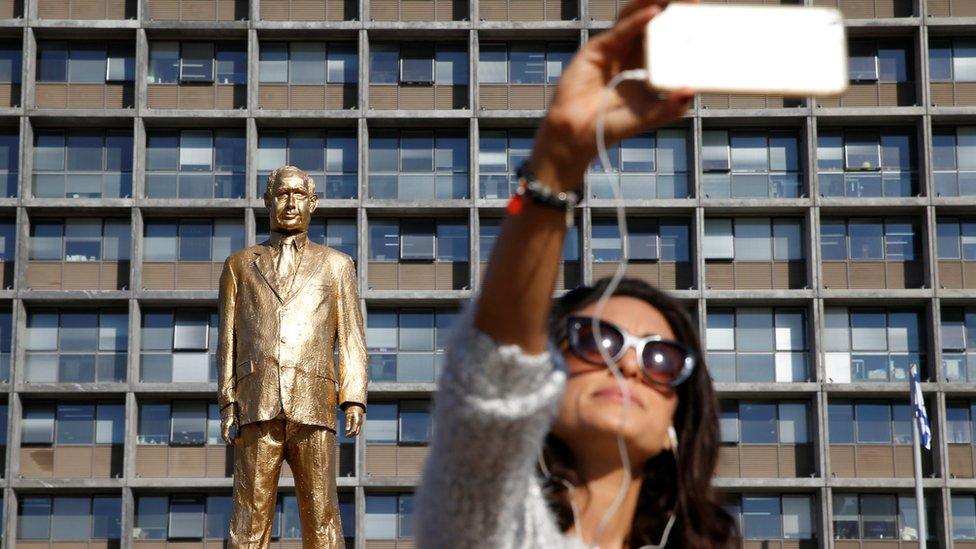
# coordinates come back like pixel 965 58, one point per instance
pixel 266 267
pixel 307 261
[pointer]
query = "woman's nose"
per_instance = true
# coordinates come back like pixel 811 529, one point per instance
pixel 628 363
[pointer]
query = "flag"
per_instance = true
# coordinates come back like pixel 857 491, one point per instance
pixel 918 407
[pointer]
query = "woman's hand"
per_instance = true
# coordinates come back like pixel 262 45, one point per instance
pixel 566 141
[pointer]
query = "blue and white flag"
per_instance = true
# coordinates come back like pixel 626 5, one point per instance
pixel 918 407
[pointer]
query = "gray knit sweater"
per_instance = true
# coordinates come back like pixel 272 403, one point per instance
pixel 493 408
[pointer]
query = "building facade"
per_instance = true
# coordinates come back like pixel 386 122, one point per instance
pixel 823 247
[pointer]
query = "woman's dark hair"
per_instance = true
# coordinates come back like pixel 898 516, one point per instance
pixel 684 486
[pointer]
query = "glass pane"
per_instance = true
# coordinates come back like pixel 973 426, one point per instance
pixel 761 517
pixel 840 418
pixel 866 240
pixel 899 241
pixel 154 423
pixel 197 61
pixel 868 330
pixel 343 64
pixel 52 62
pixel 846 516
pixel 164 62
pixel 892 64
pixel 793 423
pixel 754 329
pixel 110 424
pixel 195 240
pixel 718 242
pixel 964 60
pixel 307 63
pixel 151 517
pixel 86 62
pixel 451 65
pixel 753 240
pixel 963 517
pixel 873 422
pixel 863 151
pixel 720 330
pixel 75 423
pixel 940 60
pixel 492 65
pixel 416 63
pixel 749 152
pixel 106 517
pixel 758 422
pixel 273 62
pixel 527 64
pixel 189 422
pixel 715 150
pixel 879 516
pixel 70 519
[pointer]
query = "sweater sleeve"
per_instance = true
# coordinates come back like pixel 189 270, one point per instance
pixel 493 408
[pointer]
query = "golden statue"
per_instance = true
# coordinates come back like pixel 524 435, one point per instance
pixel 285 305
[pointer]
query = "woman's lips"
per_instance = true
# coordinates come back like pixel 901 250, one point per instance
pixel 616 395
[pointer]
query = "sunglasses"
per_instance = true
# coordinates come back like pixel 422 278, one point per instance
pixel 662 361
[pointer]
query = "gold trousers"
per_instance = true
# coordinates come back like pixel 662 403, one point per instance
pixel 310 452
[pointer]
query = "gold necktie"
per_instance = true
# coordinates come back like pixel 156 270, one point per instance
pixel 286 258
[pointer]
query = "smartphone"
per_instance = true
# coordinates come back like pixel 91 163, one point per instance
pixel 784 50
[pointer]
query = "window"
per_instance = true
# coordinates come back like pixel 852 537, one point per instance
pixel 523 62
pixel 192 239
pixel 418 63
pixel 329 157
pixel 647 239
pixel 82 163
pixel 753 239
pixel 959 427
pixel 963 517
pixel 952 59
pixel 958 328
pixel 647 166
pixel 407 345
pixel 878 61
pixel 878 517
pixel 208 62
pixel 389 517
pixel 182 516
pixel 403 422
pixel 80 239
pixel 9 162
pixel 954 160
pixel 195 164
pixel 308 63
pixel 757 344
pixel 499 156
pixel 956 238
pixel 748 422
pixel 84 62
pixel 69 518
pixel 750 164
pixel 418 239
pixel 10 61
pixel 179 423
pixel 73 423
pixel 771 516
pixel 179 346
pixel 867 163
pixel 489 229
pixel 872 344
pixel 869 422
pixel 76 346
pixel 418 165
pixel 889 239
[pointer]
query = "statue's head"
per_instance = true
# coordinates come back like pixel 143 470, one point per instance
pixel 291 199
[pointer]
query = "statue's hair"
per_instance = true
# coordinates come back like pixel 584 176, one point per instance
pixel 278 174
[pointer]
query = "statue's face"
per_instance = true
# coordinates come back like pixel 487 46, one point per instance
pixel 291 205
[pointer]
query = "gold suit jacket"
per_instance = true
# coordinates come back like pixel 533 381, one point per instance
pixel 278 337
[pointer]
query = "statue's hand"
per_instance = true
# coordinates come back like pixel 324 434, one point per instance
pixel 228 422
pixel 355 416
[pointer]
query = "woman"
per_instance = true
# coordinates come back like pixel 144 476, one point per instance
pixel 501 404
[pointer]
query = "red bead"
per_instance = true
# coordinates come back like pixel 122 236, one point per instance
pixel 515 205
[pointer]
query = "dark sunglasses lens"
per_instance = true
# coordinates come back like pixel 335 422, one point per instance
pixel 663 361
pixel 587 345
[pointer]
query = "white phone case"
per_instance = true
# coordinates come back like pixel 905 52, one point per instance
pixel 785 50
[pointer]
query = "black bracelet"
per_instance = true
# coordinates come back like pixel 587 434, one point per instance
pixel 541 193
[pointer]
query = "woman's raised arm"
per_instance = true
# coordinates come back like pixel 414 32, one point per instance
pixel 516 294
